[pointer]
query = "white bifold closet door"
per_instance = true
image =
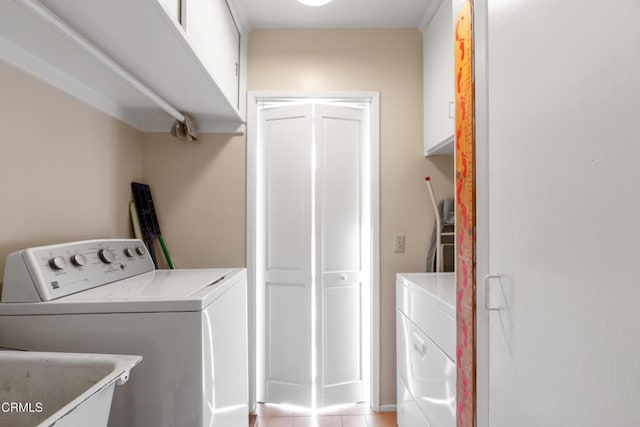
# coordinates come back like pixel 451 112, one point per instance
pixel 313 260
pixel 339 150
pixel 288 258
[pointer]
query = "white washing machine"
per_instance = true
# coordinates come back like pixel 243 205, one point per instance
pixel 104 296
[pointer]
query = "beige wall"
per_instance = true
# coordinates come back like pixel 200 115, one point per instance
pixel 388 61
pixel 199 194
pixel 65 168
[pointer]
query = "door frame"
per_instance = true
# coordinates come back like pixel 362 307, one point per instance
pixel 481 79
pixel 252 215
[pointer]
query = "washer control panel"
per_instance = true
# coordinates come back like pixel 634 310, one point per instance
pixel 58 270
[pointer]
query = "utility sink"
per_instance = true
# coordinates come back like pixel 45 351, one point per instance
pixel 61 389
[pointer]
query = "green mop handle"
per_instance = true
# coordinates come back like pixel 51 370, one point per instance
pixel 166 252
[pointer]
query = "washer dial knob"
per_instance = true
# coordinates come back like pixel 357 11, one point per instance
pixel 57 263
pixel 106 255
pixel 140 250
pixel 129 252
pixel 78 260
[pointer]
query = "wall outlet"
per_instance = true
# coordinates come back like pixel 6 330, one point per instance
pixel 398 243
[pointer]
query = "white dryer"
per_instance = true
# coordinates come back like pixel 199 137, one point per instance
pixel 104 296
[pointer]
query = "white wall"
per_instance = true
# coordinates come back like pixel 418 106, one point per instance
pixel 65 168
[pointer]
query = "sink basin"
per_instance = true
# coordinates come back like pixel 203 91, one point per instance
pixel 61 389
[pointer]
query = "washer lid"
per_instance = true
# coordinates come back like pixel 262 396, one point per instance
pixel 158 285
pixel 155 291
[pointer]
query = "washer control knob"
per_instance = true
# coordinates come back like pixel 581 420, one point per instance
pixel 57 263
pixel 140 250
pixel 106 255
pixel 78 260
pixel 129 252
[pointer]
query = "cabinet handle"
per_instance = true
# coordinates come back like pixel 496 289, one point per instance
pixel 419 345
pixel 452 111
pixel 487 279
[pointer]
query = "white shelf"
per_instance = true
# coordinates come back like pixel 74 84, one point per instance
pixel 444 148
pixel 136 34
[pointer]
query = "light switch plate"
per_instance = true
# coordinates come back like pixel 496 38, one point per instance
pixel 398 243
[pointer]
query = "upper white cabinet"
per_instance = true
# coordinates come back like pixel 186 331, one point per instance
pixel 193 70
pixel 438 68
pixel 172 7
pixel 214 35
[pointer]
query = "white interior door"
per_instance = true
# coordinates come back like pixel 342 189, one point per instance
pixel 339 241
pixel 315 231
pixel 563 209
pixel 287 139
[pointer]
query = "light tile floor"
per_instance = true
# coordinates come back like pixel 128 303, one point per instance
pixel 356 415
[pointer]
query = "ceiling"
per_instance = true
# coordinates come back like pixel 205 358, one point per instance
pixel 337 14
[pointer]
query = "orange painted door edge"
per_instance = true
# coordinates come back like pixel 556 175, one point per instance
pixel 465 218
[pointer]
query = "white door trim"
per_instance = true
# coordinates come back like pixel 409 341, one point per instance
pixel 253 260
pixel 480 34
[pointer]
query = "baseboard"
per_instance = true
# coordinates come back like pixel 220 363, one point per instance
pixel 388 408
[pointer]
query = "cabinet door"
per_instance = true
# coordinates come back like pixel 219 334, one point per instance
pixel 213 33
pixel 439 73
pixel 172 7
